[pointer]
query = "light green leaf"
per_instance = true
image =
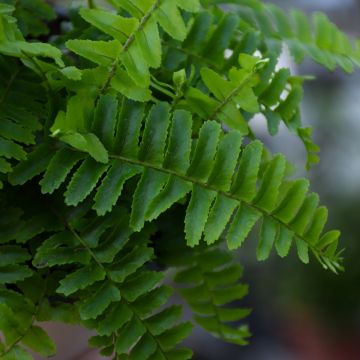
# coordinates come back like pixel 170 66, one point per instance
pixel 103 53
pixel 125 85
pixel 120 28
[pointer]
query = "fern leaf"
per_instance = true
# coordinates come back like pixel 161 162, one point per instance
pixel 100 52
pixel 131 50
pixel 221 183
pixel 197 214
pixel 83 181
pixel 120 297
pixel 326 44
pixel 58 169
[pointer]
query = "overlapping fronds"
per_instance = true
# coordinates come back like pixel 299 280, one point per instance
pixel 136 43
pixel 210 284
pixel 114 292
pixel 240 85
pixel 317 38
pixel 242 95
pixel 146 111
pixel 228 190
pixel 23 291
pixel 20 113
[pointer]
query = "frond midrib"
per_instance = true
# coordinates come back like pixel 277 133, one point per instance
pixel 215 189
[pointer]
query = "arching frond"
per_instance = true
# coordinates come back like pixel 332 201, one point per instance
pixel 230 192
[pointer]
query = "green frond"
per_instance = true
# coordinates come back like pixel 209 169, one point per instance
pixel 21 115
pixel 317 38
pixel 223 185
pixel 126 146
pixel 136 47
pixel 113 291
pixel 210 283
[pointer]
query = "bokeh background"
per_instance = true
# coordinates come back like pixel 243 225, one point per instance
pixel 300 312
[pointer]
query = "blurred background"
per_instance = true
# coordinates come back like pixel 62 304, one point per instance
pixel 303 312
pixel 299 312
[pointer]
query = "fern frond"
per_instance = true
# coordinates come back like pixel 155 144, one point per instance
pixel 318 38
pixel 252 84
pixel 228 191
pixel 142 142
pixel 210 283
pixel 113 291
pixel 21 115
pixel 137 44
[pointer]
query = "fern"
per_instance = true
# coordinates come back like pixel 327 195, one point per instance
pixel 139 115
pixel 318 39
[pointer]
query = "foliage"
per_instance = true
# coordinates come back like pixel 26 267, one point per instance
pixel 135 113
